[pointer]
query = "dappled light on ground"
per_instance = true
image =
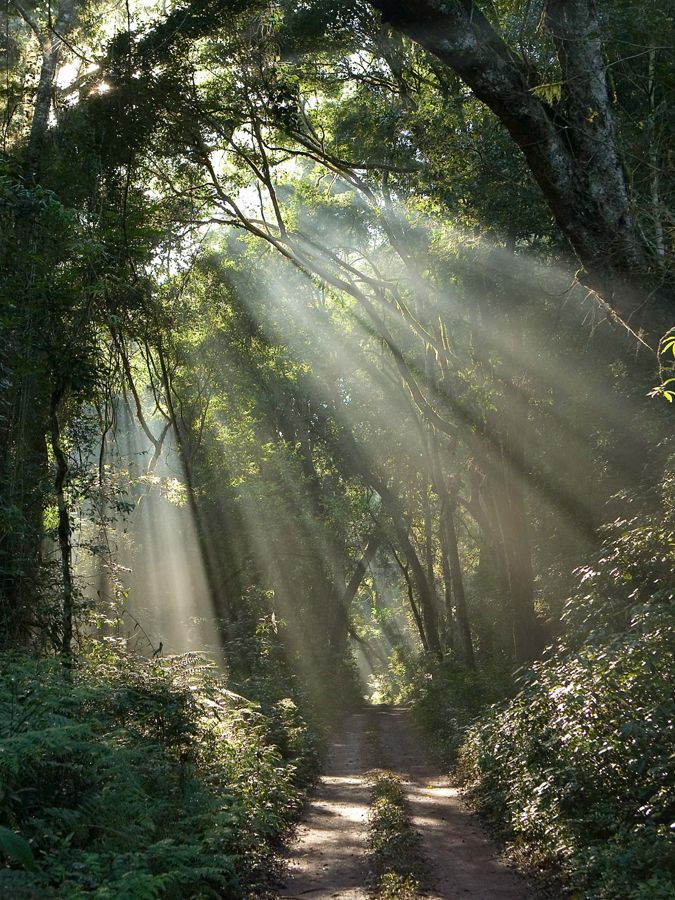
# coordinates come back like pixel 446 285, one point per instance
pixel 329 857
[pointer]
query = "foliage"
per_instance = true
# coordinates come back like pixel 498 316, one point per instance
pixel 318 272
pixel 124 777
pixel 393 842
pixel 578 767
pixel 447 697
pixel 666 350
pixel 452 697
pixel 48 346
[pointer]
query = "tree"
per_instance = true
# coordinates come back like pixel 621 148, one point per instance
pixel 567 132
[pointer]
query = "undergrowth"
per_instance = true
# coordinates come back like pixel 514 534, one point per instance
pixel 453 697
pixel 578 769
pixel 394 844
pixel 129 778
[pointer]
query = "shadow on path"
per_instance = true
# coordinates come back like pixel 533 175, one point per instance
pixel 329 857
pixel 461 859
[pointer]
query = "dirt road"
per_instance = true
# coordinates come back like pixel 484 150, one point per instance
pixel 329 858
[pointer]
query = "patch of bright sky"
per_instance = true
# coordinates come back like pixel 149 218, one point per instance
pixel 114 20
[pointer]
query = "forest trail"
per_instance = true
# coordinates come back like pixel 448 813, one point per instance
pixel 329 858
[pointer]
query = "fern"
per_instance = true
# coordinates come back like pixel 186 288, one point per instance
pixel 141 779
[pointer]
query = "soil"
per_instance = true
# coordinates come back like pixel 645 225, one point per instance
pixel 330 855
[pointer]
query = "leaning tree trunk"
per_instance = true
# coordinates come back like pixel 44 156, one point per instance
pixel 360 466
pixel 569 145
pixel 340 628
pixel 425 590
pixel 414 609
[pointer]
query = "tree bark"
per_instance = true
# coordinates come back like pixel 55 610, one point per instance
pixel 570 147
pixel 65 547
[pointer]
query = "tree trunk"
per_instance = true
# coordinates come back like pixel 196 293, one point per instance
pixel 511 518
pixel 41 109
pixel 425 591
pixel 413 606
pixel 51 41
pixel 213 553
pixel 461 608
pixel 449 634
pixel 64 522
pixel 31 414
pixel 570 148
pixel 340 629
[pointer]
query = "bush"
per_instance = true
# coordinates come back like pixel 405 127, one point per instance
pixel 122 777
pixel 452 697
pixel 578 767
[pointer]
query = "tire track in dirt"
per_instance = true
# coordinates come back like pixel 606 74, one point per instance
pixel 330 855
pixel 461 860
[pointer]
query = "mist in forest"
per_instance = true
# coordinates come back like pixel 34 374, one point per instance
pixel 337 369
pixel 147 575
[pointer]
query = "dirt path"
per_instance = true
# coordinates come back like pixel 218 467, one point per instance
pixel 329 858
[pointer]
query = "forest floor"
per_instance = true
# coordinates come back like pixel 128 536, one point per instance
pixel 330 858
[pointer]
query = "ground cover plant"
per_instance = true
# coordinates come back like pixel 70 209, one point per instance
pixel 123 777
pixel 576 770
pixel 394 844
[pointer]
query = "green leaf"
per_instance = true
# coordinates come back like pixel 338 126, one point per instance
pixel 17 848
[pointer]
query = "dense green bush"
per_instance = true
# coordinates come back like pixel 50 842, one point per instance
pixel 579 768
pixel 122 777
pixel 452 697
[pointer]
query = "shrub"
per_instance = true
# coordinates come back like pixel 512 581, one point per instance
pixel 122 777
pixel 452 697
pixel 578 767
